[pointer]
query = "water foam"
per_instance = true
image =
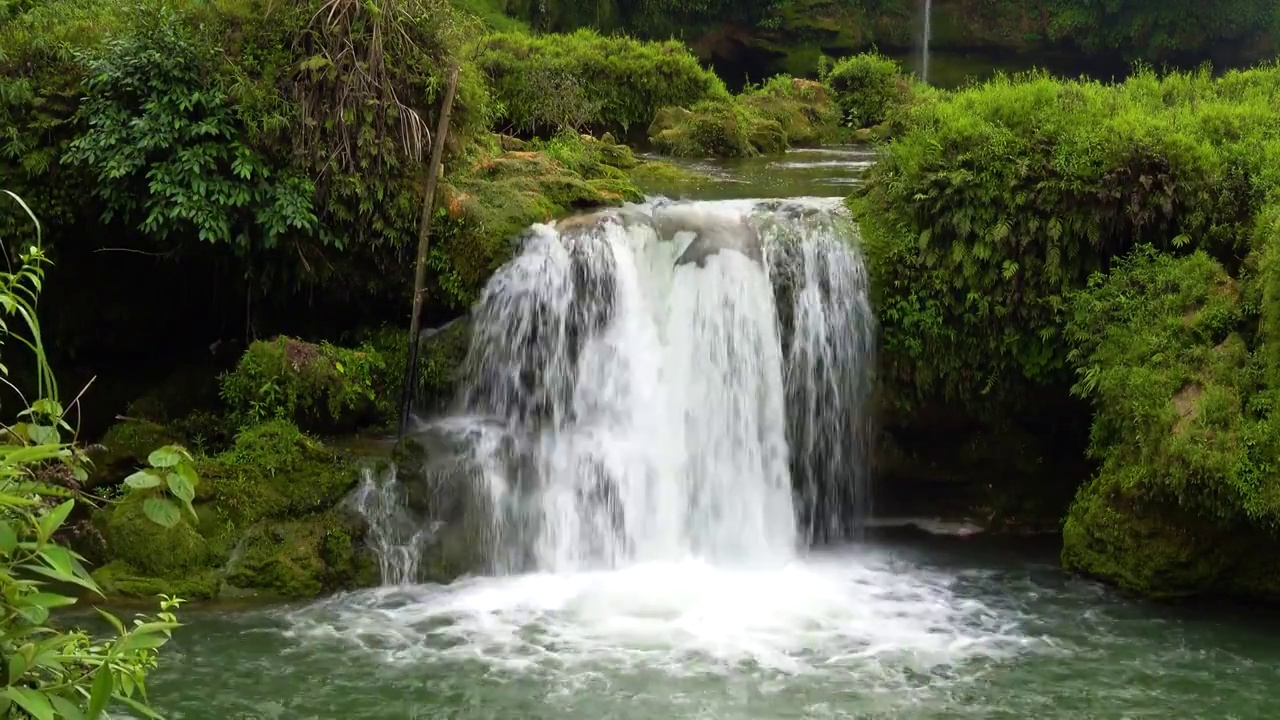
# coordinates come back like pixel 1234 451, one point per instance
pixel 863 614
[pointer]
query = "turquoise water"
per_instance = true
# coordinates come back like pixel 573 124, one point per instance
pixel 940 628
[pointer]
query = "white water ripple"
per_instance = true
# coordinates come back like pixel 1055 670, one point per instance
pixel 860 617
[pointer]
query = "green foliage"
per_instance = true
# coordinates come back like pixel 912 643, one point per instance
pixel 708 129
pixel 440 360
pixel 586 81
pixel 171 477
pixel 996 201
pixel 274 471
pixel 867 89
pixel 320 387
pixel 167 150
pixel 488 205
pixel 803 108
pixel 297 559
pixel 53 672
pixel 1185 430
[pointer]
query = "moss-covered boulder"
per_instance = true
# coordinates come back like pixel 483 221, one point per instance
pixel 489 204
pixel 1185 501
pixel 546 84
pixel 276 471
pixel 441 355
pixel 298 558
pixel 125 448
pixel 320 387
pixel 269 521
pixel 708 129
pixel 803 109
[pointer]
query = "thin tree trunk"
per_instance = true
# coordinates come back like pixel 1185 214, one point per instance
pixel 424 236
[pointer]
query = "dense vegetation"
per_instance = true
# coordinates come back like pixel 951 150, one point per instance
pixel 766 36
pixel 52 671
pixel 1031 237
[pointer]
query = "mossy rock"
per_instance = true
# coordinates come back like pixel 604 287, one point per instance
pixel 125 448
pixel 1158 550
pixel 489 205
pixel 152 549
pixel 298 558
pixel 767 136
pixel 440 359
pixel 803 109
pixel 445 488
pixel 708 129
pixel 276 471
pixel 120 579
pixel 320 387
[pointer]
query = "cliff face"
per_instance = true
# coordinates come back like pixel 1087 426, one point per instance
pixel 760 37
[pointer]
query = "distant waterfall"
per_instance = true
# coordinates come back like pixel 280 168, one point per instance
pixel 924 42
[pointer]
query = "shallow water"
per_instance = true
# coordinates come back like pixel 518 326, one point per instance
pixel 800 172
pixel 942 629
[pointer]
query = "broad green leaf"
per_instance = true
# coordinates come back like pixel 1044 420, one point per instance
pixel 180 487
pixel 165 457
pixel 140 642
pixel 137 706
pixel 142 480
pixel 61 576
pixel 43 434
pixel 34 614
pixel 66 708
pixel 161 511
pixel 188 472
pixel 53 520
pixel 17 667
pixel 47 600
pixel 8 538
pixel 103 686
pixel 156 627
pixel 112 619
pixel 33 701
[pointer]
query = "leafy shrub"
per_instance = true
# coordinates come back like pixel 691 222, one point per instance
pixel 867 89
pixel 52 671
pixel 587 81
pixel 997 201
pixel 803 108
pixel 320 387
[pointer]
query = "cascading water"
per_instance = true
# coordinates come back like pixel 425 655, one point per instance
pixel 663 407
pixel 647 387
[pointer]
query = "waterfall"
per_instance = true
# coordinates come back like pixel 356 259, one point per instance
pixel 660 381
pixel 924 45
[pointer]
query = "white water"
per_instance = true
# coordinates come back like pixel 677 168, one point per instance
pixel 656 444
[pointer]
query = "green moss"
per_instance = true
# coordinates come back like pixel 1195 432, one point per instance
pixel 708 129
pixel 125 448
pixel 156 551
pixel 664 178
pixel 275 471
pixel 803 109
pixel 487 206
pixel 321 388
pixel 297 559
pixel 118 578
pixel 440 360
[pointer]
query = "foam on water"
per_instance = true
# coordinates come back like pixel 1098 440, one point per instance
pixel 862 615
pixel 668 406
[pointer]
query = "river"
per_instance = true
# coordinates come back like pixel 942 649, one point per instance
pixel 898 626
